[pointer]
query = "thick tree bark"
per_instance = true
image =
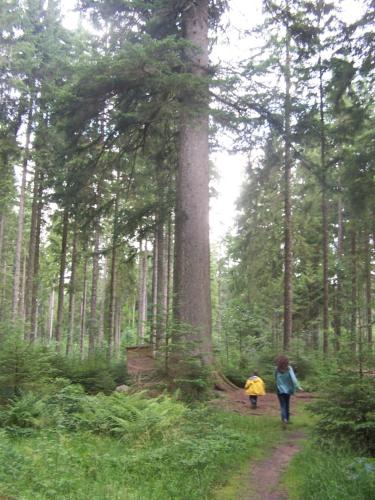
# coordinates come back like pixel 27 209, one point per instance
pixel 288 248
pixel 21 216
pixel 192 305
pixel 60 295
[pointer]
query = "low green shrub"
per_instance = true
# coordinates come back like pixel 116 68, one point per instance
pixel 24 367
pixel 346 411
pixel 332 473
pixel 95 373
pixel 130 417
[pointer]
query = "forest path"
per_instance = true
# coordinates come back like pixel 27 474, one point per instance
pixel 262 479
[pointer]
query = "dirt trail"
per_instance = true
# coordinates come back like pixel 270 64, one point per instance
pixel 264 477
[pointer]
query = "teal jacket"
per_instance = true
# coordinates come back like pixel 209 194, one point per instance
pixel 286 382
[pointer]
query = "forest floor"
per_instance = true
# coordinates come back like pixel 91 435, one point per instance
pixel 262 480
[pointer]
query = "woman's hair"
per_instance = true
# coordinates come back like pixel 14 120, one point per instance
pixel 282 363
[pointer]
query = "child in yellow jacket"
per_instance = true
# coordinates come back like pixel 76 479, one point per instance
pixel 254 387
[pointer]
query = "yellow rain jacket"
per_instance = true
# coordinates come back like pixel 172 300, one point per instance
pixel 255 386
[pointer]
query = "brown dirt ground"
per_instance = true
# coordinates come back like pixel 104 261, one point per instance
pixel 238 401
pixel 263 478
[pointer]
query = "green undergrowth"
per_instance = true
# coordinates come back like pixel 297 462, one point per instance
pixel 239 483
pixel 334 474
pixel 71 445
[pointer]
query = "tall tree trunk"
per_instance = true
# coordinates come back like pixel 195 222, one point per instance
pixel 102 297
pixel 288 249
pixel 353 321
pixel 338 286
pixel 82 328
pixel 31 291
pixel 169 290
pixel 112 285
pixel 142 293
pixel 192 305
pixel 323 167
pixel 93 324
pixel 51 313
pixel 72 292
pixel 368 280
pixel 2 230
pixel 161 314
pixel 154 287
pixel 21 216
pixel 60 295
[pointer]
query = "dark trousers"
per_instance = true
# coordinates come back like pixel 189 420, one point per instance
pixel 284 400
pixel 253 401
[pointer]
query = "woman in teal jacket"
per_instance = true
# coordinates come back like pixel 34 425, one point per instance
pixel 286 385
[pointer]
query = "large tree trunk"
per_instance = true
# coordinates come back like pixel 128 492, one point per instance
pixel 288 249
pixel 21 216
pixel 60 295
pixel 192 250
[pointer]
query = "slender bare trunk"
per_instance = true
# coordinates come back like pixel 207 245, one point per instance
pixel 21 304
pixel 142 293
pixel 154 290
pixel 192 305
pixel 72 293
pixel 51 313
pixel 368 283
pixel 82 329
pixel 102 306
pixel 353 252
pixel 112 285
pixel 338 288
pixel 21 216
pixel 2 228
pixel 60 297
pixel 93 325
pixel 31 292
pixel 161 288
pixel 288 248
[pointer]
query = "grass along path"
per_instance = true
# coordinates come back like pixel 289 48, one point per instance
pixel 261 477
